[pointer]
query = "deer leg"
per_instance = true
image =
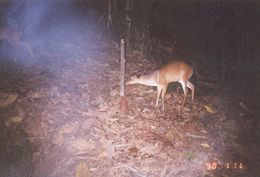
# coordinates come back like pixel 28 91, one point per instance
pixel 164 89
pixel 185 90
pixel 27 47
pixel 16 44
pixel 191 86
pixel 159 90
pixel 12 43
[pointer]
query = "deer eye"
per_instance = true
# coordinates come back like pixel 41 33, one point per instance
pixel 132 77
pixel 140 73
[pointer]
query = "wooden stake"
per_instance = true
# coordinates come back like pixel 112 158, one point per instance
pixel 123 101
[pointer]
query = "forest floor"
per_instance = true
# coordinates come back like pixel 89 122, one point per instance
pixel 66 121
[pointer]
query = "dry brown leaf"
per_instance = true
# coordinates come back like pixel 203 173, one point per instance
pixel 82 170
pixel 8 100
pixel 209 109
pixel 205 145
pixel 13 120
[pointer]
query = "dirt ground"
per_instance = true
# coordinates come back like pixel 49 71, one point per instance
pixel 66 121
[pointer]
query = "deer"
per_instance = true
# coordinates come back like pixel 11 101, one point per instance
pixel 14 38
pixel 174 71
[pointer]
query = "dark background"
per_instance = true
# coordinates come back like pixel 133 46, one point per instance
pixel 220 37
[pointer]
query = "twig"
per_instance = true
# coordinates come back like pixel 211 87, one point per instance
pixel 109 17
pixel 132 169
pixel 39 137
pixel 195 136
pixel 222 140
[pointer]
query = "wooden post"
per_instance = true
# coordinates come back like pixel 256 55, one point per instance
pixel 123 101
